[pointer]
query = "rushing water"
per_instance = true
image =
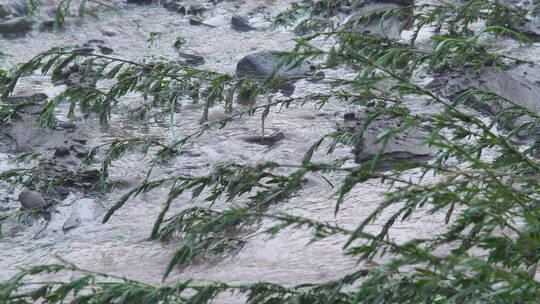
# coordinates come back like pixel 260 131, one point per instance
pixel 120 246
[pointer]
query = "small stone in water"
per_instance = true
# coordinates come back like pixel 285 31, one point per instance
pixel 79 150
pixel 240 24
pixel 61 151
pixel 106 50
pixel 32 200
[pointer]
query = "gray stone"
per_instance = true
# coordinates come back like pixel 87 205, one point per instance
pixel 83 211
pixel 4 11
pixel 529 27
pixel 260 65
pixel 15 26
pixel 519 84
pixel 268 140
pixel 390 26
pixel 61 151
pixel 241 24
pixel 13 7
pixel 139 1
pixel 79 150
pixel 32 200
pixel 405 146
pixel 191 59
pixel 38 97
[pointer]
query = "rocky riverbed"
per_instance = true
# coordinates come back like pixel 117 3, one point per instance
pixel 225 36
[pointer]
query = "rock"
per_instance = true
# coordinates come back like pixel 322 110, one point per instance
pixel 61 152
pixel 519 84
pixel 287 88
pixel 109 33
pixel 240 24
pixel 530 27
pixel 38 97
pixel 191 59
pixel 83 211
pixel 32 200
pixel 175 5
pixel 399 2
pixel 196 10
pixel 390 26
pixel 198 21
pixel 182 8
pixel 90 46
pixel 13 7
pixel 259 66
pixel 139 1
pixel 406 146
pixel 47 26
pixel 67 125
pixel 72 222
pixel 4 11
pixel 94 43
pixel 15 26
pixel 269 140
pixel 106 50
pixel 79 150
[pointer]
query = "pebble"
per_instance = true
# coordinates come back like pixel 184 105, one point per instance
pixel 32 200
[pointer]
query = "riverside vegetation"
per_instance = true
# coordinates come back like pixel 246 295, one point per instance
pixel 484 171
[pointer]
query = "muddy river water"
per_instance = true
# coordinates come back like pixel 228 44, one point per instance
pixel 121 245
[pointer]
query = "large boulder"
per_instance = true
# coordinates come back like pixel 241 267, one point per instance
pixel 15 26
pixel 259 66
pixel 405 146
pixel 519 84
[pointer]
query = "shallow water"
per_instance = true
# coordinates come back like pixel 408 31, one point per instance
pixel 120 246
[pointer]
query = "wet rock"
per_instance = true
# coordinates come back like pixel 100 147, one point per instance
pixel 519 84
pixel 109 33
pixel 90 46
pixel 61 191
pixel 94 42
pixel 191 59
pixel 139 1
pixel 38 97
pixel 260 65
pixel 72 222
pixel 13 8
pixel 406 146
pixel 15 26
pixel 106 50
pixel 175 5
pixel 198 21
pixel 47 26
pixel 400 2
pixel 390 26
pixel 79 150
pixel 67 125
pixel 269 140
pixel 183 8
pixel 287 88
pixel 61 152
pixel 196 10
pixel 83 211
pixel 530 26
pixel 4 11
pixel 32 200
pixel 241 24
